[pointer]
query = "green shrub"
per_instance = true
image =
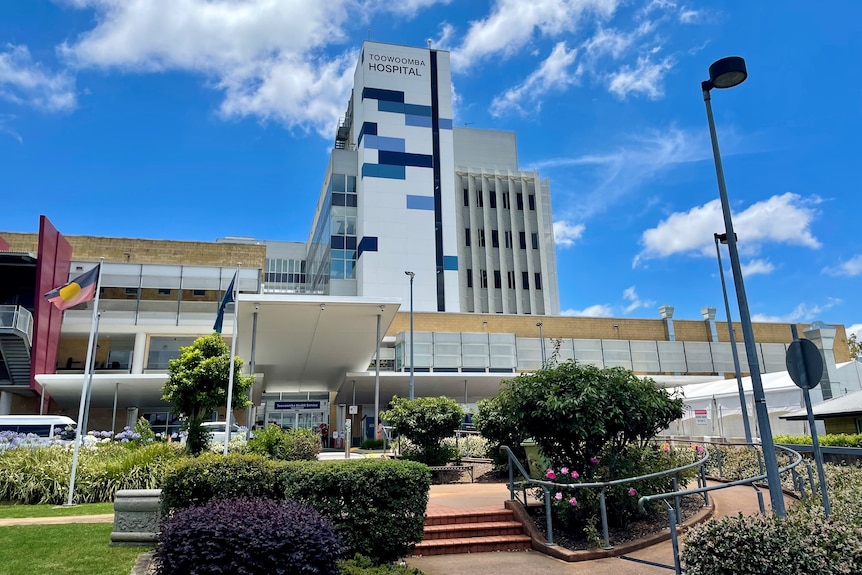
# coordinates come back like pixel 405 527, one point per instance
pixel 291 445
pixel 372 444
pixel 377 505
pixel 210 476
pixel 468 445
pixel 41 475
pixel 248 536
pixel 827 440
pixel 361 565
pixel 426 421
pixel 495 423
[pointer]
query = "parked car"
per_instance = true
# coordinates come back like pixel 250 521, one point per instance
pixel 217 430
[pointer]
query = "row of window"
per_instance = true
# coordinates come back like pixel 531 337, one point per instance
pixel 510 277
pixel 133 292
pixel 495 238
pixel 492 200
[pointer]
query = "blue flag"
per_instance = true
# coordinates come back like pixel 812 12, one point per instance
pixel 228 297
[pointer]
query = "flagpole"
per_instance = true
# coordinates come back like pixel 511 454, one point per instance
pixel 232 361
pixel 85 422
pixel 84 390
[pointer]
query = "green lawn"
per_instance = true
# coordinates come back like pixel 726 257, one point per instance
pixel 9 511
pixel 78 549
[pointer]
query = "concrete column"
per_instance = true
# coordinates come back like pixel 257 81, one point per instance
pixel 5 403
pixel 823 337
pixel 139 353
pixel 666 312
pixel 708 314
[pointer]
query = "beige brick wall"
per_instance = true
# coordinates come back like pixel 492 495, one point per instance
pixel 150 251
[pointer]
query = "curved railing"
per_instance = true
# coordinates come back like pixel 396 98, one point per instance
pixel 546 486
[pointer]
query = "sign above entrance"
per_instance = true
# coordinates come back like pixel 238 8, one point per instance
pixel 297 405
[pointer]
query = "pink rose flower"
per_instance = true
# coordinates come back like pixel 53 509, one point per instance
pixel 632 491
pixel 564 470
pixel 594 460
pixel 550 474
pixel 575 474
pixel 573 501
pixel 558 496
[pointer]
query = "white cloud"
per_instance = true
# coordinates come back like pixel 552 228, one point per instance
pixel 689 15
pixel 852 267
pixel 646 77
pixel 635 302
pixel 801 313
pixel 25 82
pixel 755 267
pixel 404 7
pixel 566 234
pixel 5 128
pixel 268 57
pixel 598 310
pixel 782 219
pixel 552 74
pixel 513 23
pixel 855 328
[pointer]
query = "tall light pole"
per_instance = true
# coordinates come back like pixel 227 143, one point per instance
pixel 541 342
pixel 747 424
pixel 412 380
pixel 727 73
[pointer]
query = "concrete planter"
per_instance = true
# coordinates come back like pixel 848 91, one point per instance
pixel 136 517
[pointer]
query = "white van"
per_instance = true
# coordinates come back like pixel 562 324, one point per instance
pixel 46 426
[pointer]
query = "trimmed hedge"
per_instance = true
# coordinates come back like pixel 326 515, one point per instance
pixel 212 476
pixel 826 440
pixel 377 505
pixel 248 536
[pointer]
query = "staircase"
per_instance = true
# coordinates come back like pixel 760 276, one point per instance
pixel 15 354
pixel 472 531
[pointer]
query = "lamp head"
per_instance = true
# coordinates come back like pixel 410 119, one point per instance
pixel 411 274
pixel 727 72
pixel 722 238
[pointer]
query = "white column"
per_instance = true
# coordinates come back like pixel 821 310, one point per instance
pixel 139 353
pixel 5 403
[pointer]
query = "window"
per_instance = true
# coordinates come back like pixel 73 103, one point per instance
pixel 511 277
pixel 466 197
pixel 198 293
pixel 532 201
pixel 481 238
pixel 505 200
pixel 493 198
pixel 508 237
pixel 132 292
pixel 495 239
pixel 525 280
pixel 163 291
pixel 483 279
pixel 479 202
pixel 538 278
pixel 469 277
pixel 467 237
pixel 522 236
pixel 535 237
pixel 497 280
pixel 520 198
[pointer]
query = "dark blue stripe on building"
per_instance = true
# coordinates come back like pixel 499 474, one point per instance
pixel 367 244
pixel 438 196
pixel 404 159
pixel 367 129
pixel 379 94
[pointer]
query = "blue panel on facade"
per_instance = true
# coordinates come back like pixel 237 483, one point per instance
pixel 370 142
pixel 402 159
pixel 445 123
pixel 367 244
pixel 417 110
pixel 384 106
pixel 368 128
pixel 420 203
pixel 378 94
pixel 450 263
pixel 384 171
pixel 390 144
pixel 421 121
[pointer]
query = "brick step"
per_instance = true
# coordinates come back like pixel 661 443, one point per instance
pixel 477 516
pixel 463 530
pixel 473 545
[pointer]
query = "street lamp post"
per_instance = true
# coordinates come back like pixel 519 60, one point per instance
pixel 412 376
pixel 541 342
pixel 723 239
pixel 727 73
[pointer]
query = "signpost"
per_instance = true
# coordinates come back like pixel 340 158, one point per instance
pixel 701 416
pixel 805 366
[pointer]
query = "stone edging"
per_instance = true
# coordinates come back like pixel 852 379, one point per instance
pixel 541 544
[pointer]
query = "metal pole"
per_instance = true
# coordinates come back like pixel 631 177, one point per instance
pixel 249 416
pixel 81 406
pixel 233 339
pixel 542 343
pixel 772 476
pixel 91 368
pixel 114 412
pixel 412 375
pixel 742 404
pixel 377 383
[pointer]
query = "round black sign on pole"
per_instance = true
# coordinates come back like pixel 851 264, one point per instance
pixel 804 364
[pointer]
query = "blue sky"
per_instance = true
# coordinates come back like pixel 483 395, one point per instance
pixel 193 119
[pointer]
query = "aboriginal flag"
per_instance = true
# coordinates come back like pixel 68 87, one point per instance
pixel 79 290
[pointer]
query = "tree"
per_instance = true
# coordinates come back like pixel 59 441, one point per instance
pixel 426 421
pixel 494 421
pixel 855 346
pixel 198 385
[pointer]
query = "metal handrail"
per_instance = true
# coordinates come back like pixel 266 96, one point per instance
pixel 547 485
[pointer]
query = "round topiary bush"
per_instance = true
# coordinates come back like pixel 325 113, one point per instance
pixel 247 536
